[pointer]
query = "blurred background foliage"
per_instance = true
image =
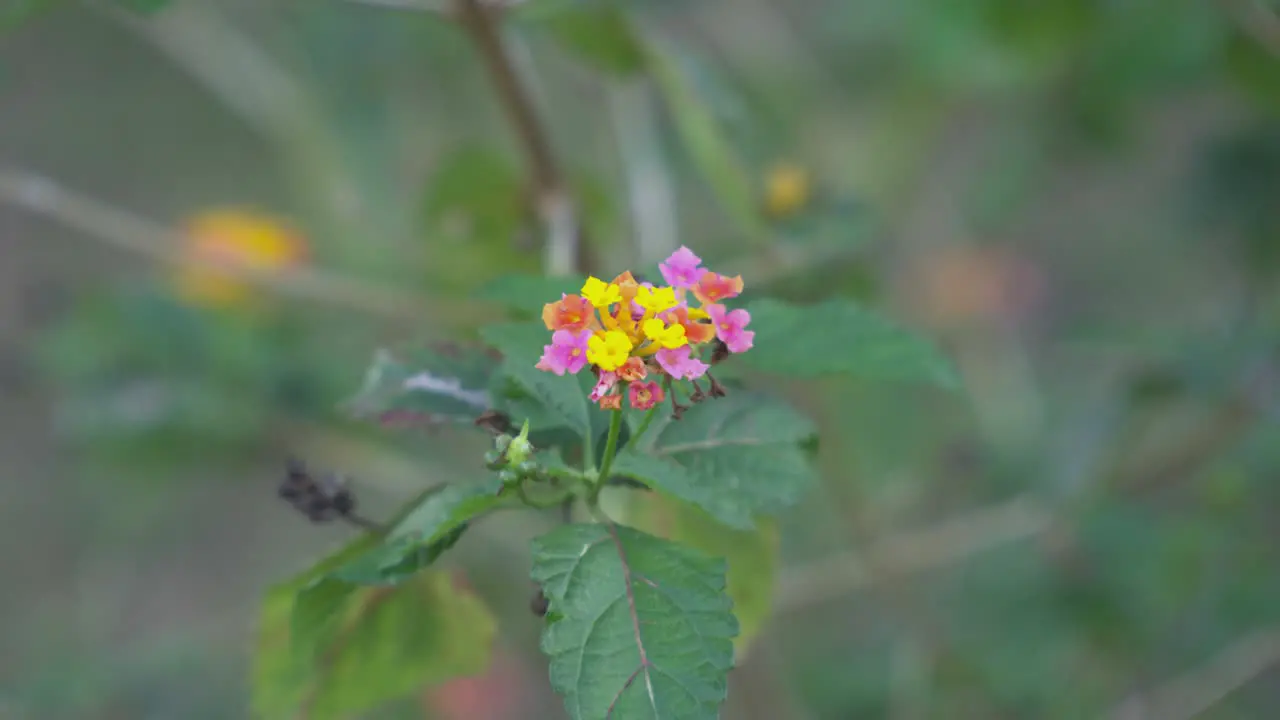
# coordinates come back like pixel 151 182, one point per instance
pixel 1080 199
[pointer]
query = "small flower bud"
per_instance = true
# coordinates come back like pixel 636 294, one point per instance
pixel 496 458
pixel 717 390
pixel 677 410
pixel 519 448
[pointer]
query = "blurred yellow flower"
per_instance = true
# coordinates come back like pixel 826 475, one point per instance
pixel 786 190
pixel 221 241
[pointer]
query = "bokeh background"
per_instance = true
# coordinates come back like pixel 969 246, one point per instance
pixel 1078 199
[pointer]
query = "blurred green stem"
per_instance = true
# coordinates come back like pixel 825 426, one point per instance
pixel 541 504
pixel 274 101
pixel 650 200
pixel 147 238
pixel 1192 694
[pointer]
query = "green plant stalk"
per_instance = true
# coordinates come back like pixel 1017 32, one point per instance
pixel 610 449
pixel 588 451
pixel 569 474
pixel 541 504
pixel 644 425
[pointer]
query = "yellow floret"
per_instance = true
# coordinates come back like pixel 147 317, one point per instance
pixel 601 294
pixel 656 300
pixel 670 337
pixel 609 350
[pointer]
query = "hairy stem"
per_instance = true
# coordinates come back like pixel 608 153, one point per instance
pixel 610 450
pixel 589 451
pixel 556 501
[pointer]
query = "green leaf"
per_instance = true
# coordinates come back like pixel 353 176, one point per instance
pixel 562 397
pixel 423 530
pixel 477 191
pixel 839 336
pixel 431 527
pixel 1255 71
pixel 600 34
pixel 15 12
pixel 387 643
pixel 443 385
pixel 706 142
pixel 752 555
pixel 526 294
pixel 280 677
pixel 638 627
pixel 735 457
pixel 522 340
pixel 476 211
pixel 144 7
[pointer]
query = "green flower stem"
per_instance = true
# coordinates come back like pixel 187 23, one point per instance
pixel 610 449
pixel 589 451
pixel 644 425
pixel 570 474
pixel 597 513
pixel 541 504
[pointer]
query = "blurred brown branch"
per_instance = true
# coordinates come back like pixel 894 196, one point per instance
pixel 132 233
pixel 1188 695
pixel 1222 426
pixel 908 552
pixel 785 262
pixel 1218 432
pixel 233 68
pixel 1254 19
pixel 395 473
pixel 565 249
pixel 412 5
pixel 436 6
pixel 956 539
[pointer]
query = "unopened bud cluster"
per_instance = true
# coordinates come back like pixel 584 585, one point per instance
pixel 512 458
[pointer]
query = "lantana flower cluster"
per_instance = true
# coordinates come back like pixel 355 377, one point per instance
pixel 638 337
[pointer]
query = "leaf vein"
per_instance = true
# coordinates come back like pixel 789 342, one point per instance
pixel 712 443
pixel 635 617
pixel 609 713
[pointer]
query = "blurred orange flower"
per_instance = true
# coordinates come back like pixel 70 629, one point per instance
pixel 957 286
pixel 220 243
pixel 786 190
